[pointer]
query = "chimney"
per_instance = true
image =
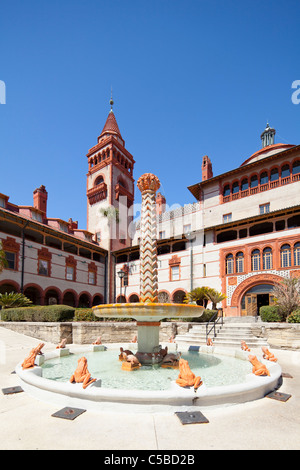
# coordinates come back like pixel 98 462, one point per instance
pixel 160 204
pixel 40 197
pixel 206 168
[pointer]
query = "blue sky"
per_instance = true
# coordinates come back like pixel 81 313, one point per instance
pixel 189 78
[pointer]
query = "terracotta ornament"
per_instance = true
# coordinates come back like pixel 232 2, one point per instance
pixel 244 346
pixel 98 340
pixel 62 344
pixel 186 377
pixel 29 360
pixel 268 355
pixel 209 342
pixel 81 374
pixel 258 367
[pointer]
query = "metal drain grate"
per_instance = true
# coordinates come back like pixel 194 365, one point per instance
pixel 191 417
pixel 68 413
pixel 279 396
pixel 11 390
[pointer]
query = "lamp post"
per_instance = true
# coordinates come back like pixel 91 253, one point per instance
pixel 121 274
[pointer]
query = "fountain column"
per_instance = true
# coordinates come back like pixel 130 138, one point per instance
pixel 148 184
pixel 148 332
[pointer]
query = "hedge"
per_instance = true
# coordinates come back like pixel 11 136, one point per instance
pixel 86 314
pixel 39 313
pixel 294 317
pixel 270 313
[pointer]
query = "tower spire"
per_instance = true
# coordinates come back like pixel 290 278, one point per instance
pixel 111 101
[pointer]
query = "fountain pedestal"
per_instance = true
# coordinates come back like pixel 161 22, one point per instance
pixel 148 336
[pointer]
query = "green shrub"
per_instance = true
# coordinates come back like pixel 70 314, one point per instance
pixel 39 313
pixel 294 317
pixel 270 313
pixel 86 314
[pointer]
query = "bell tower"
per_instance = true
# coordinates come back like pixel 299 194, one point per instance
pixel 110 187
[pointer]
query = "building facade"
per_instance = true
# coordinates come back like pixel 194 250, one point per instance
pixel 240 236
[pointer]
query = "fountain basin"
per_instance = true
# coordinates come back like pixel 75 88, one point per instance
pixel 148 316
pixel 148 312
pixel 98 398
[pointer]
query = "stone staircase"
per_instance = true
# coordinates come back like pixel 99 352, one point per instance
pixel 230 334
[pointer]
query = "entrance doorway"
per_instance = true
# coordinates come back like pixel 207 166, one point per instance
pixel 255 298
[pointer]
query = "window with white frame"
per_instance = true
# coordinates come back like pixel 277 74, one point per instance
pixel 70 273
pixel 227 218
pixel 264 208
pixel 174 273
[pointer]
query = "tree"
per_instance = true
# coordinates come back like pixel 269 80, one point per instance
pixel 214 296
pixel 287 296
pixel 198 295
pixel 13 299
pixel 201 295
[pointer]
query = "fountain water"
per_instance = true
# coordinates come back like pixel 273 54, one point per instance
pixel 148 312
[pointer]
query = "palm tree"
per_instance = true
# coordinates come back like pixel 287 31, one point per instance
pixel 214 296
pixel 14 299
pixel 198 295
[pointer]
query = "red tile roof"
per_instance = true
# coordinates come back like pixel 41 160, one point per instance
pixel 111 125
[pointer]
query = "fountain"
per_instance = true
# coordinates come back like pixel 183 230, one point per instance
pixel 148 312
pixel 151 386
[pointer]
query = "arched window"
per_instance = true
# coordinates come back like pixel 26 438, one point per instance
pixel 229 264
pixel 285 171
pixel 267 258
pixel 244 185
pixel 239 262
pixel 285 256
pixel 254 181
pixel 226 191
pixel 297 254
pixel 274 175
pixel 255 260
pixel 264 178
pixel 235 188
pixel 296 167
pixel 99 180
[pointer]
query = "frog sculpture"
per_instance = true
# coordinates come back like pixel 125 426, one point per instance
pixel 81 374
pixel 258 367
pixel 186 377
pixel 268 355
pixel 28 362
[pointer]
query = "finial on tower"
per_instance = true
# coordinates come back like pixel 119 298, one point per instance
pixel 111 101
pixel 268 135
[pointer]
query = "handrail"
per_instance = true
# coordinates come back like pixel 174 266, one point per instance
pixel 215 319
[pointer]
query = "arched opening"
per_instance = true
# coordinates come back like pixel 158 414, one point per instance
pixel 134 298
pixel 256 297
pixel 69 299
pixel 84 301
pixel 178 297
pixel 163 297
pixel 34 294
pixel 8 287
pixel 97 300
pixel 51 297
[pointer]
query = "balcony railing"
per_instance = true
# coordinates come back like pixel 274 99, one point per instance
pixel 262 187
